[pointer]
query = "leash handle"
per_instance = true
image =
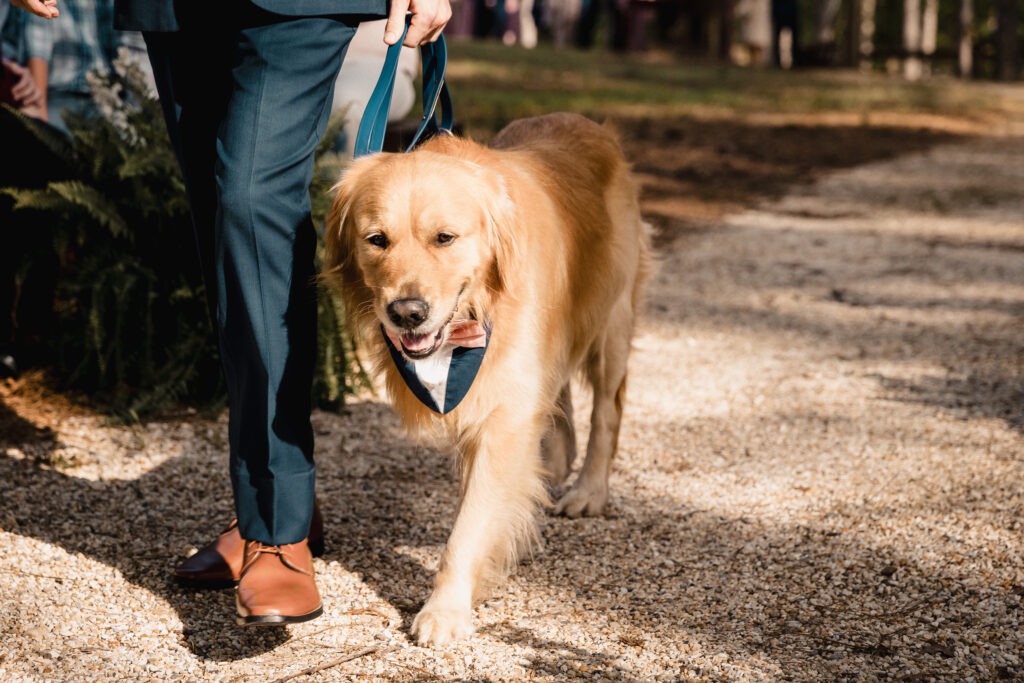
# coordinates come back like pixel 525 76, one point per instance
pixel 370 138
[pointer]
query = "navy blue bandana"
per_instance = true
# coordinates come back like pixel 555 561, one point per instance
pixel 441 380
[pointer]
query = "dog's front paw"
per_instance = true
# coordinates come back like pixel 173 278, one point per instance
pixel 437 625
pixel 583 500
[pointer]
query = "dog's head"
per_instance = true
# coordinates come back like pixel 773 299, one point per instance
pixel 415 240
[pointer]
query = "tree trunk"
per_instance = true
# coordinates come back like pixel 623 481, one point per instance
pixel 725 22
pixel 929 26
pixel 756 29
pixel 1007 57
pixel 867 32
pixel 854 31
pixel 825 32
pixel 965 44
pixel 929 32
pixel 760 30
pixel 912 39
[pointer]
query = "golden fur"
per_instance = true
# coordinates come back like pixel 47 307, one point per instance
pixel 549 246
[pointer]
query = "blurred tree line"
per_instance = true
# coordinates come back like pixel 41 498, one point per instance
pixel 971 38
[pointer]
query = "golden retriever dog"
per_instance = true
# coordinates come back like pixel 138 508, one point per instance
pixel 539 239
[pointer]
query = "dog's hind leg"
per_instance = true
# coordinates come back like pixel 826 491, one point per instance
pixel 502 490
pixel 606 369
pixel 559 444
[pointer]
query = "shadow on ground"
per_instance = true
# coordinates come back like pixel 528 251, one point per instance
pixel 912 262
pixel 713 582
pixel 694 171
pixel 17 432
pixel 719 584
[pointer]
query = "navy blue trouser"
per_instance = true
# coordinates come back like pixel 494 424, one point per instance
pixel 247 95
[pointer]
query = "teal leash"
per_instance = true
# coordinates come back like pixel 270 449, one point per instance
pixel 370 138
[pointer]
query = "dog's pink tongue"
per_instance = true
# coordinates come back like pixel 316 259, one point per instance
pixel 417 342
pixel 466 332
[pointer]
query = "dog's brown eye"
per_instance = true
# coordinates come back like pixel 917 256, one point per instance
pixel 378 240
pixel 445 238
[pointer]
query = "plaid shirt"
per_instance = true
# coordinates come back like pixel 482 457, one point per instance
pixel 12 31
pixel 80 40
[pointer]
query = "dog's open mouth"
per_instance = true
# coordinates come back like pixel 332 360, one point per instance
pixel 418 345
pixel 422 345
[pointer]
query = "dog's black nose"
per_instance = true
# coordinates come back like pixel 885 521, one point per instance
pixel 408 313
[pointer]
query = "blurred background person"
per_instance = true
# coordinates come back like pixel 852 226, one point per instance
pixel 561 17
pixel 755 29
pixel 61 51
pixel 520 26
pixel 527 24
pixel 17 87
pixel 27 162
pixel 786 33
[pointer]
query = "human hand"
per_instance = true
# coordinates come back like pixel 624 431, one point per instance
pixel 44 8
pixel 428 19
pixel 25 91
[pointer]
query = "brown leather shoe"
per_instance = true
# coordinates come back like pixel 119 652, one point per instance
pixel 219 564
pixel 277 585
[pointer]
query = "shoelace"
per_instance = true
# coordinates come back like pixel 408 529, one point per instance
pixel 269 549
pixel 256 548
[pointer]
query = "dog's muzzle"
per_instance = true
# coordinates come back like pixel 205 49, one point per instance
pixel 441 380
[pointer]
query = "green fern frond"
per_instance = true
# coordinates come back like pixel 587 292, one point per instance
pixel 141 164
pixel 51 138
pixel 104 211
pixel 130 317
pixel 37 200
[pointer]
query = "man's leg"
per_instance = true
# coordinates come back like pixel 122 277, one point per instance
pixel 252 105
pixel 283 74
pixel 194 87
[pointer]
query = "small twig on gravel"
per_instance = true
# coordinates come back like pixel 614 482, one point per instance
pixel 419 669
pixel 879 490
pixel 853 645
pixel 376 612
pixel 335 662
pixel 546 615
pixel 38 576
pixel 861 644
pixel 934 597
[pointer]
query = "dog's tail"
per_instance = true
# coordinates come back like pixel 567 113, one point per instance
pixel 646 267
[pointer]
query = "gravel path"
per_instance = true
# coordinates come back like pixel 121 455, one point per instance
pixel 821 477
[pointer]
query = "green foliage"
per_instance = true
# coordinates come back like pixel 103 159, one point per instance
pixel 132 324
pixel 338 371
pixel 496 84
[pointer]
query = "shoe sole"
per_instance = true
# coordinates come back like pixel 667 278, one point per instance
pixel 204 584
pixel 315 547
pixel 277 619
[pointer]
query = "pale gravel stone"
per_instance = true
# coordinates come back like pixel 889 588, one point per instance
pixel 821 477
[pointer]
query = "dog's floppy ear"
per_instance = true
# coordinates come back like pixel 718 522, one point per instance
pixel 340 268
pixel 501 216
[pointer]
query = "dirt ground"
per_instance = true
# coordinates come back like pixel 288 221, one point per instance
pixel 820 476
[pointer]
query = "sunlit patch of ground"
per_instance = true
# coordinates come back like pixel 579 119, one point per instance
pixel 820 476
